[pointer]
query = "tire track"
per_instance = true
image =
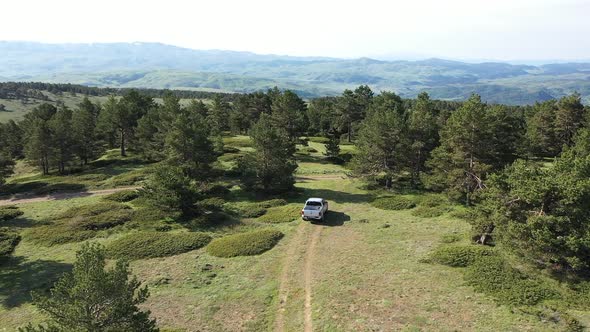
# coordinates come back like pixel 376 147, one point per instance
pixel 284 289
pixel 308 273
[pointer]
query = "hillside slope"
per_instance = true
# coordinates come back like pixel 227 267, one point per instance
pixel 152 65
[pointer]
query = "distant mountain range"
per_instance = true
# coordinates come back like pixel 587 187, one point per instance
pixel 153 65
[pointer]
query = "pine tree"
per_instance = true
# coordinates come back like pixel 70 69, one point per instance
pixel 352 108
pixel 188 146
pixel 62 138
pixel 122 116
pixel 383 140
pixel 541 139
pixel 170 189
pixel 93 298
pixel 84 131
pixel 542 213
pixel 466 153
pixel 569 117
pixel 423 131
pixel 271 166
pixel 288 112
pixel 218 120
pixel 38 137
pixel 333 147
pixel 6 162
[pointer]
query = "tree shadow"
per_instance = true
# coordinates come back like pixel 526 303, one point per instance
pixel 40 188
pixel 313 159
pixel 18 277
pixel 20 222
pixel 330 195
pixel 333 218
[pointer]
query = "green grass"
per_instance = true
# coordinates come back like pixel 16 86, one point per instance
pixel 365 276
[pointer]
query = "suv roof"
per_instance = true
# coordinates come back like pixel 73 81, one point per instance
pixel 315 199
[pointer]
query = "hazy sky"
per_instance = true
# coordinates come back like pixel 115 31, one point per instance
pixel 462 29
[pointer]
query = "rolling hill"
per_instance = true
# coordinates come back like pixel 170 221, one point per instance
pixel 153 65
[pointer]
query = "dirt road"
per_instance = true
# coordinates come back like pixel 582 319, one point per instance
pixel 294 292
pixel 60 196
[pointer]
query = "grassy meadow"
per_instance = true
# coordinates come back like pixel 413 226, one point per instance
pixel 365 269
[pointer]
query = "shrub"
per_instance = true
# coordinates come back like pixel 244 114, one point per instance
pixel 151 218
pixel 253 211
pixel 430 212
pixel 122 196
pixel 128 179
pixel 318 139
pixel 494 276
pixel 464 214
pixel 238 141
pixel 229 157
pixel 433 200
pixel 92 177
pixel 97 216
pixel 8 242
pixel 393 203
pixel 460 256
pixel 245 244
pixel 216 190
pixel 273 203
pixel 281 214
pixel 212 203
pixel 81 223
pixel 156 244
pixel 50 235
pixel 450 238
pixel 230 149
pixel 9 212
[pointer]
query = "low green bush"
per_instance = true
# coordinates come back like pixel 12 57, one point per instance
pixel 156 244
pixel 230 149
pixel 393 203
pixel 238 141
pixel 281 214
pixel 464 214
pixel 433 200
pixel 460 256
pixel 430 212
pixel 96 216
pixel 9 212
pixel 81 223
pixel 273 203
pixel 318 139
pixel 450 238
pixel 229 157
pixel 92 177
pixel 245 244
pixel 54 234
pixel 252 212
pixel 212 203
pixel 122 196
pixel 8 242
pixel 494 276
pixel 128 179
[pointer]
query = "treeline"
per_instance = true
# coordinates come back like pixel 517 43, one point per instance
pixel 525 170
pixel 21 90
